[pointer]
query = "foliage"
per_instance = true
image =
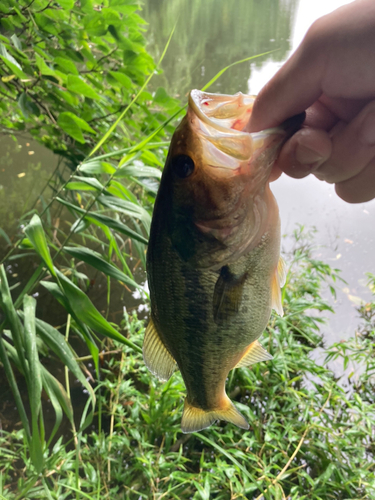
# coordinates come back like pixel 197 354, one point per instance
pixel 69 69
pixel 309 439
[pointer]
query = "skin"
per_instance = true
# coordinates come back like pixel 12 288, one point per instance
pixel 331 76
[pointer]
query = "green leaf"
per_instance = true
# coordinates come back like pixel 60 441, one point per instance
pixel 95 260
pixel 138 171
pixel 14 323
pixel 84 184
pixel 97 167
pixel 55 388
pixel 5 236
pixel 15 68
pixel 34 231
pixel 87 313
pixel 16 42
pixel 6 348
pixel 79 86
pixel 55 290
pixel 27 106
pixel 55 341
pixel 128 208
pixel 43 68
pixel 73 125
pixel 66 64
pixel 69 125
pixel 122 78
pixel 107 221
pixel 34 381
pixel 66 4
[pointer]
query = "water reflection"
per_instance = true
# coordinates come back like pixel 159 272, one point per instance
pixel 212 34
pixel 25 168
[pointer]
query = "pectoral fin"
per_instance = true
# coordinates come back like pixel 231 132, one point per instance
pixel 156 356
pixel 253 354
pixel 227 295
pixel 278 281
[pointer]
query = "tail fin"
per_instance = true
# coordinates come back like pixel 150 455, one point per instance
pixel 195 419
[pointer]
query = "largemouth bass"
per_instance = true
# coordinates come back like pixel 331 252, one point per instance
pixel 213 260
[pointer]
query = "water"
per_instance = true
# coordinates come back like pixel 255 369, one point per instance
pixel 213 34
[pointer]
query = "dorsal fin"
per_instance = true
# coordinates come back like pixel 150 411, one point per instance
pixel 254 353
pixel 156 356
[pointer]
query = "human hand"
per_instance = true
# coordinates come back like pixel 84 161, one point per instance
pixel 331 76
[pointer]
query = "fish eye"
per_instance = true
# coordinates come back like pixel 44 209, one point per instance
pixel 182 166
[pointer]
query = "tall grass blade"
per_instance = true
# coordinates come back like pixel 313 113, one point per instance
pixel 218 75
pixel 34 381
pixel 137 171
pixel 226 454
pixel 56 342
pixel 107 221
pixel 87 313
pixel 128 208
pixel 95 260
pixel 13 320
pixel 34 231
pixel 54 387
pixel 14 387
pixel 114 125
pixel 54 290
pixel 84 184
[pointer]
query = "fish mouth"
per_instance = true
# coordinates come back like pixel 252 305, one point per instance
pixel 219 119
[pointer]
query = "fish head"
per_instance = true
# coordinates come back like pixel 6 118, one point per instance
pixel 214 184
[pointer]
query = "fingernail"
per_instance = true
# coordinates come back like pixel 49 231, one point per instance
pixel 307 156
pixel 367 130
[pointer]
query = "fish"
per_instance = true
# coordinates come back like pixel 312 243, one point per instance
pixel 213 261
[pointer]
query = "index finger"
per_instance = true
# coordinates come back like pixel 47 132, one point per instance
pixel 295 87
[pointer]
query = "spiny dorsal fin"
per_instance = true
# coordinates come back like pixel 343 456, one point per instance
pixel 156 356
pixel 195 419
pixel 254 353
pixel 227 295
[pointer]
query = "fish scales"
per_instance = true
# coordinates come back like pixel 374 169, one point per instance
pixel 213 258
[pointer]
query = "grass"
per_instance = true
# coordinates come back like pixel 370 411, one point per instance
pixel 308 438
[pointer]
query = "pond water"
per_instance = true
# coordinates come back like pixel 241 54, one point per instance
pixel 212 34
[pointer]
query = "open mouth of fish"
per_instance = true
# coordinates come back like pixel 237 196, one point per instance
pixel 219 120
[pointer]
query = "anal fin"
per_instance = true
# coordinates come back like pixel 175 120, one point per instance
pixel 196 419
pixel 254 353
pixel 156 356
